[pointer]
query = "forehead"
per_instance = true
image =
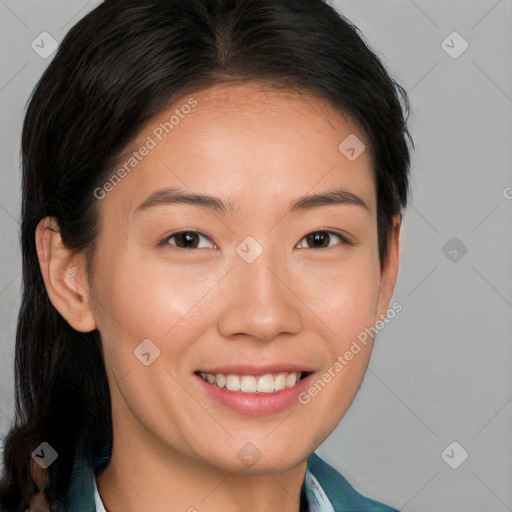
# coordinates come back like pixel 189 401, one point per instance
pixel 249 142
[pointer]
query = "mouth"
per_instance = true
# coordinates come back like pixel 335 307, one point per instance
pixel 262 383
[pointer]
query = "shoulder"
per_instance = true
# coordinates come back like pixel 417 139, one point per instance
pixel 80 493
pixel 341 494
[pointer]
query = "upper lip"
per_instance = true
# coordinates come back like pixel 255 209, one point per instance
pixel 254 369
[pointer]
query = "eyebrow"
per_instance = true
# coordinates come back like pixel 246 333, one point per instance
pixel 174 195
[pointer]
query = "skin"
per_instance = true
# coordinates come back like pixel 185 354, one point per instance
pixel 261 149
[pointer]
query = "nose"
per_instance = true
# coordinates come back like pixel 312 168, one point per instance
pixel 259 300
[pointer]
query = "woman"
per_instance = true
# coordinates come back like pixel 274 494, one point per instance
pixel 212 195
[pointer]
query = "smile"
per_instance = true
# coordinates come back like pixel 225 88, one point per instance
pixel 267 383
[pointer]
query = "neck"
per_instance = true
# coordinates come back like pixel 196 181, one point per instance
pixel 194 487
pixel 145 476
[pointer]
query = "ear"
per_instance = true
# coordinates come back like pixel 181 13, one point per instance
pixel 389 269
pixel 65 276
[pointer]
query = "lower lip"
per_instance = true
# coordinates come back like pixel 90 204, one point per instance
pixel 256 404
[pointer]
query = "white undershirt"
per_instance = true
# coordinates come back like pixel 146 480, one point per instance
pixel 97 498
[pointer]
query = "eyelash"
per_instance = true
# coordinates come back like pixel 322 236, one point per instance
pixel 165 241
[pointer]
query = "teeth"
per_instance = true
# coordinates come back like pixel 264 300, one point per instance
pixel 267 383
pixel 280 382
pixel 292 379
pixel 248 384
pixel 233 383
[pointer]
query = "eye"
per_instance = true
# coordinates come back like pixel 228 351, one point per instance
pixel 191 240
pixel 321 239
pixel 186 240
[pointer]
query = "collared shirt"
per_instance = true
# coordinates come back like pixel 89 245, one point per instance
pixel 316 499
pixel 324 489
pixel 328 491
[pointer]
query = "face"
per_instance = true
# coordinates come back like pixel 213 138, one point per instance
pixel 242 285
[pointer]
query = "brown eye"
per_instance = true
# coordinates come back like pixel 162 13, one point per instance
pixel 322 239
pixel 187 239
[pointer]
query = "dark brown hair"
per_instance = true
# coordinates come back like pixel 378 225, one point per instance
pixel 116 68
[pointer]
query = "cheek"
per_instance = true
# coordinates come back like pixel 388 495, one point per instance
pixel 344 297
pixel 148 300
pixel 354 309
pixel 347 308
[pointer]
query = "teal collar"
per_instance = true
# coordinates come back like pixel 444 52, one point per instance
pixel 326 489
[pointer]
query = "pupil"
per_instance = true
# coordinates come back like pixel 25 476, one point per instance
pixel 187 235
pixel 316 236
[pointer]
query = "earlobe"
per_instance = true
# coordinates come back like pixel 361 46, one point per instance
pixel 389 270
pixel 65 276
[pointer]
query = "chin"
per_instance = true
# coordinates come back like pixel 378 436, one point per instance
pixel 260 457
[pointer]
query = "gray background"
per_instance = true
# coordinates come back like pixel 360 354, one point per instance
pixel 442 368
